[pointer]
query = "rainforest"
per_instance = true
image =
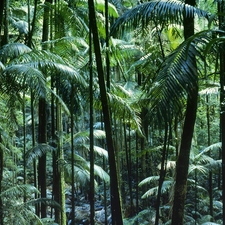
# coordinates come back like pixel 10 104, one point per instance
pixel 112 112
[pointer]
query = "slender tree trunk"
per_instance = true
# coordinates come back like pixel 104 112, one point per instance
pixel 33 144
pixel 5 38
pixel 42 138
pixel 186 139
pixel 208 143
pixel 92 184
pixel 1 178
pixel 128 168
pixel 61 164
pixel 2 6
pixel 183 160
pixel 221 8
pixel 72 155
pixel 31 23
pixel 162 174
pixel 137 174
pixel 42 128
pixel 24 144
pixel 114 188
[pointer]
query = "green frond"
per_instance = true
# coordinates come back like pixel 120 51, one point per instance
pixel 61 102
pixel 18 191
pixel 45 201
pixel 2 67
pixel 101 173
pixel 121 107
pixel 210 223
pixel 151 192
pixel 12 51
pixel 154 191
pixel 214 147
pixel 148 180
pixel 100 5
pixel 72 46
pixel 21 77
pixel 37 56
pixel 37 151
pixel 63 71
pixel 217 205
pixel 177 76
pixel 160 12
pixel 214 164
pixel 100 151
pixel 199 168
pixel 169 165
pixel 83 136
pixel 192 183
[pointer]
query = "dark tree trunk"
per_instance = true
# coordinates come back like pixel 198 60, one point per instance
pixel 5 21
pixel 42 128
pixel 2 7
pixel 114 188
pixel 33 144
pixel 1 177
pixel 32 24
pixel 92 181
pixel 161 175
pixel 183 160
pixel 42 138
pixel 186 138
pixel 221 8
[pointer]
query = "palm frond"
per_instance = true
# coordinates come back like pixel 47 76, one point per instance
pixel 81 173
pixel 83 136
pixel 101 173
pixel 214 147
pixel 12 50
pixel 154 191
pixel 2 67
pixel 63 71
pixel 121 107
pixel 100 151
pixel 100 5
pixel 162 12
pixel 148 180
pixel 20 77
pixel 177 76
pixel 199 168
pixel 37 151
pixel 18 191
pixel 37 56
pixel 61 102
pixel 45 201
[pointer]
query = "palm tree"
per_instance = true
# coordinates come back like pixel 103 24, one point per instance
pixel 176 12
pixel 114 187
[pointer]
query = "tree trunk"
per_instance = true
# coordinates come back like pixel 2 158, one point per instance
pixel 92 181
pixel 221 8
pixel 42 128
pixel 162 174
pixel 60 162
pixel 183 160
pixel 186 138
pixel 1 177
pixel 5 6
pixel 2 7
pixel 42 138
pixel 115 197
